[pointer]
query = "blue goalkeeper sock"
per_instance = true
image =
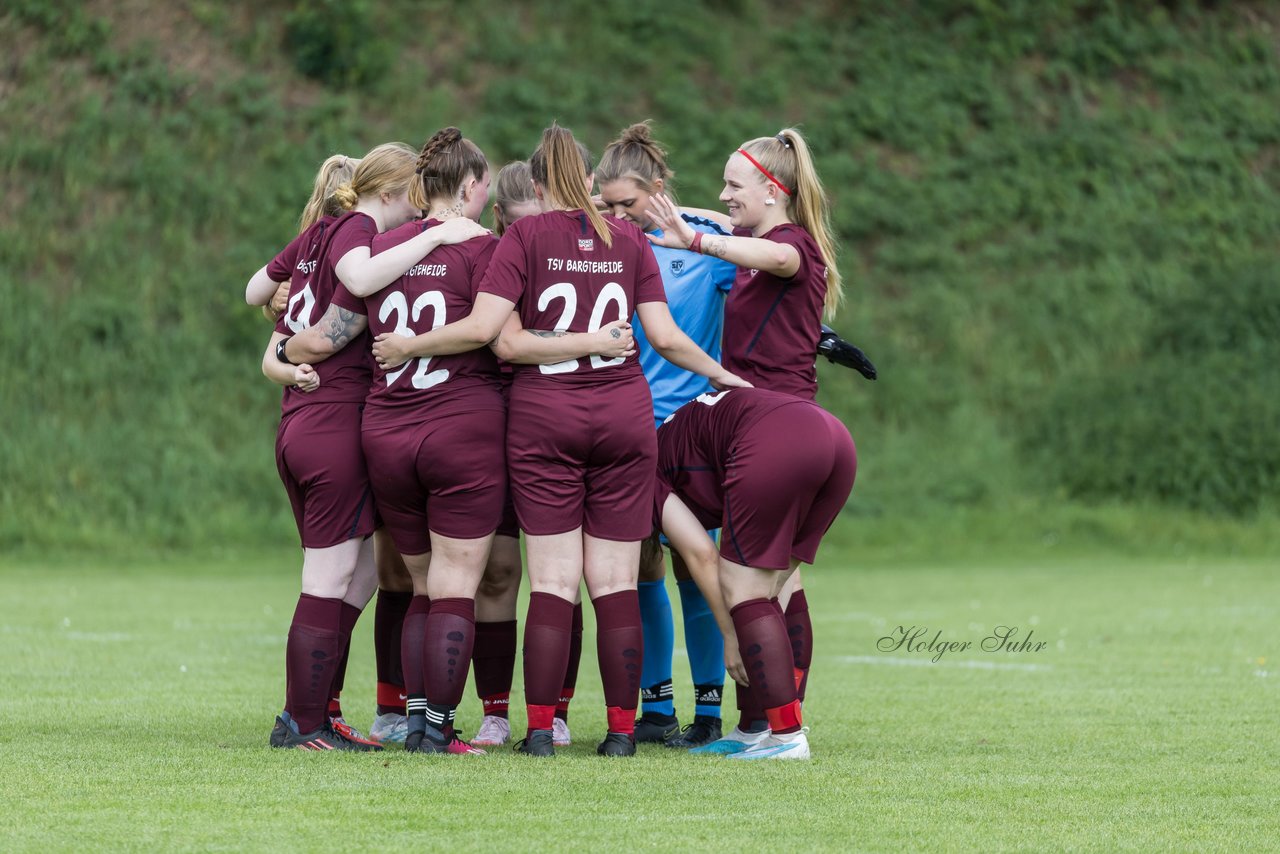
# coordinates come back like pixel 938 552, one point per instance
pixel 706 649
pixel 659 645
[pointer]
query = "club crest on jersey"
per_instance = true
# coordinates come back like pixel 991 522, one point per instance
pixel 677 267
pixel 586 244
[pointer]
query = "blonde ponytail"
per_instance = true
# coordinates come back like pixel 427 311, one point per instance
pixel 337 170
pixel 559 166
pixel 786 157
pixel 386 169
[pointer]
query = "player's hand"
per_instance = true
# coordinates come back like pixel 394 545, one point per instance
pixel 458 230
pixel 728 380
pixel 676 233
pixel 733 662
pixel 305 378
pixel 279 300
pixel 391 350
pixel 598 201
pixel 615 340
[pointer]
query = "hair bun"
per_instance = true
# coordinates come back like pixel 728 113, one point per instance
pixel 346 196
pixel 640 132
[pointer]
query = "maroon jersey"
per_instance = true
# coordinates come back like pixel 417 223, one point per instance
pixel 696 442
pixel 562 276
pixel 439 289
pixel 344 377
pixel 771 325
pixel 772 470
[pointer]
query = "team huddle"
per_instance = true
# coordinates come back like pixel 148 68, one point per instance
pixel 603 376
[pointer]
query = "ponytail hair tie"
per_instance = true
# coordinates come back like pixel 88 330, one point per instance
pixel 782 139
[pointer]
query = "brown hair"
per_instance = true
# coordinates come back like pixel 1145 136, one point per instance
pixel 786 157
pixel 386 169
pixel 635 155
pixel 337 170
pixel 559 166
pixel 513 186
pixel 443 164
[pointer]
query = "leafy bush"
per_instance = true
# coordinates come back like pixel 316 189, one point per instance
pixel 1192 419
pixel 337 42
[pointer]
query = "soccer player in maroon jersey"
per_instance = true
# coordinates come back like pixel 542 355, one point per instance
pixel 434 436
pixel 269 287
pixel 773 471
pixel 787 277
pixel 580 448
pixel 318 451
pixel 496 599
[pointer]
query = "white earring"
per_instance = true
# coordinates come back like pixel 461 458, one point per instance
pixel 770 201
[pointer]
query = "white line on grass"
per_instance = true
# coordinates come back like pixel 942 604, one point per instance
pixel 892 661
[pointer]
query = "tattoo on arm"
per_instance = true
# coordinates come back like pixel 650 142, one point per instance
pixel 714 246
pixel 547 333
pixel 340 325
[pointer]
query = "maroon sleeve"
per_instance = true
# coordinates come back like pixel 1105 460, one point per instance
pixel 508 267
pixel 359 230
pixel 281 266
pixel 481 263
pixel 649 277
pixel 800 239
pixel 343 298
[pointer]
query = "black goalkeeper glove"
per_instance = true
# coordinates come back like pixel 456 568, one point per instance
pixel 840 351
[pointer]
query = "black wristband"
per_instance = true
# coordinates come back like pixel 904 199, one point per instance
pixel 280 354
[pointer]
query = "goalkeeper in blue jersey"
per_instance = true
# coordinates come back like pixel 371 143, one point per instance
pixel 632 169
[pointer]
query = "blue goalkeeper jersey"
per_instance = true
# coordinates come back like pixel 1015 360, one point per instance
pixel 696 286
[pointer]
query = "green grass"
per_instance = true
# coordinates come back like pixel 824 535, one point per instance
pixel 136 701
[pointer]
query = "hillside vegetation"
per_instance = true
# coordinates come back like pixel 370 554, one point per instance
pixel 1058 223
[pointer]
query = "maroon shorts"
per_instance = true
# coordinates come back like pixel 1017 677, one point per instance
pixel 790 477
pixel 446 475
pixel 319 458
pixel 583 456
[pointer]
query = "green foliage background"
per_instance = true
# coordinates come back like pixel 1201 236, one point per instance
pixel 1058 221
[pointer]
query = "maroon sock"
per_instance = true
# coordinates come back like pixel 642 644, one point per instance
pixel 571 672
pixel 494 660
pixel 350 615
pixel 766 653
pixel 388 621
pixel 620 647
pixel 412 637
pixel 546 653
pixel 800 631
pixel 451 637
pixel 751 716
pixel 311 656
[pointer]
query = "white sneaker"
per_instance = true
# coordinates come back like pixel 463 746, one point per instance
pixel 560 733
pixel 735 742
pixel 389 727
pixel 493 731
pixel 793 745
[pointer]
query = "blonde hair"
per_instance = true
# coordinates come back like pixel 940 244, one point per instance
pixel 559 166
pixel 636 155
pixel 386 169
pixel 513 186
pixel 443 164
pixel 786 157
pixel 337 170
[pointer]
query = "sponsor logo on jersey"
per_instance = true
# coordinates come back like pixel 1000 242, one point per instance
pixel 677 267
pixel 586 244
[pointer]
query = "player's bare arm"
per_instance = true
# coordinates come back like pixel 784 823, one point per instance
pixel 334 331
pixel 364 274
pixel 754 253
pixel 518 345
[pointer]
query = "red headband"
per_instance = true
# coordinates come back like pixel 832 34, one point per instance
pixel 766 172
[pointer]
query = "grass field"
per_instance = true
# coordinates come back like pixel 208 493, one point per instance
pixel 135 704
